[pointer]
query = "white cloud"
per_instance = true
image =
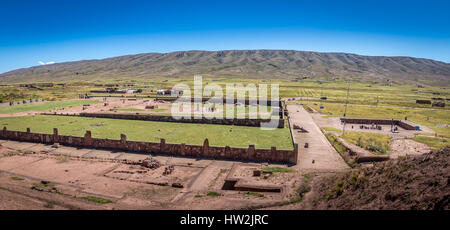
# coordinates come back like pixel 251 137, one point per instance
pixel 46 63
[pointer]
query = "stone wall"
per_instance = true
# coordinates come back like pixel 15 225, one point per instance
pixel 403 124
pixel 235 183
pixel 235 121
pixel 205 151
pixel 423 102
pixel 360 155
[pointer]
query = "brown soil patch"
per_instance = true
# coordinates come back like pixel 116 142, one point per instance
pixel 404 147
pixel 141 174
pixel 245 173
pixel 77 177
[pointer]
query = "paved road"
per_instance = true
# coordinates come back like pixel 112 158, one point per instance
pixel 320 150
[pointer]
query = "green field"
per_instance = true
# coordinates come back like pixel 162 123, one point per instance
pixel 45 106
pixel 435 143
pixel 374 142
pixel 361 92
pixel 218 135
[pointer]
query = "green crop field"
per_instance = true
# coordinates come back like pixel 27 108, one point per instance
pixel 366 93
pixel 218 135
pixel 45 106
pixel 15 93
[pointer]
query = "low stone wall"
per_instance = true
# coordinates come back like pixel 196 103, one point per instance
pixel 235 121
pixel 233 183
pixel 403 124
pixel 205 151
pixel 360 155
pixel 275 103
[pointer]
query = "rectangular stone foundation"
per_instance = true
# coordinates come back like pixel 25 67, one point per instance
pixel 161 118
pixel 403 124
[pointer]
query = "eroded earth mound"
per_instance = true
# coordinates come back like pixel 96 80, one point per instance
pixel 419 182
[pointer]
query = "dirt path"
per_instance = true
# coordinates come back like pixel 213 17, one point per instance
pixel 320 155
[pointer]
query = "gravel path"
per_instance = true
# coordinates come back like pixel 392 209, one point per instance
pixel 320 150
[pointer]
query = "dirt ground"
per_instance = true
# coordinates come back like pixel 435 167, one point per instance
pixel 407 147
pixel 142 106
pixel 118 105
pixel 38 176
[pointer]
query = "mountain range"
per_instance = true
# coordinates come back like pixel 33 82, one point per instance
pixel 258 64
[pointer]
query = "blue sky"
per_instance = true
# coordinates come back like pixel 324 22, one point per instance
pixel 58 31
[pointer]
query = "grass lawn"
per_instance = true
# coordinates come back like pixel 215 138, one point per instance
pixel 16 178
pixel 214 194
pixel 331 129
pixel 97 199
pixel 340 148
pixel 278 169
pixel 159 110
pixel 218 135
pixel 374 142
pixel 131 110
pixel 45 106
pixel 435 143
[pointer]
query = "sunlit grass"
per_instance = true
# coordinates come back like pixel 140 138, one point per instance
pixel 152 131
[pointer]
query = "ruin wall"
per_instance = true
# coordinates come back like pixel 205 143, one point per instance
pixel 162 118
pixel 403 124
pixel 272 155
